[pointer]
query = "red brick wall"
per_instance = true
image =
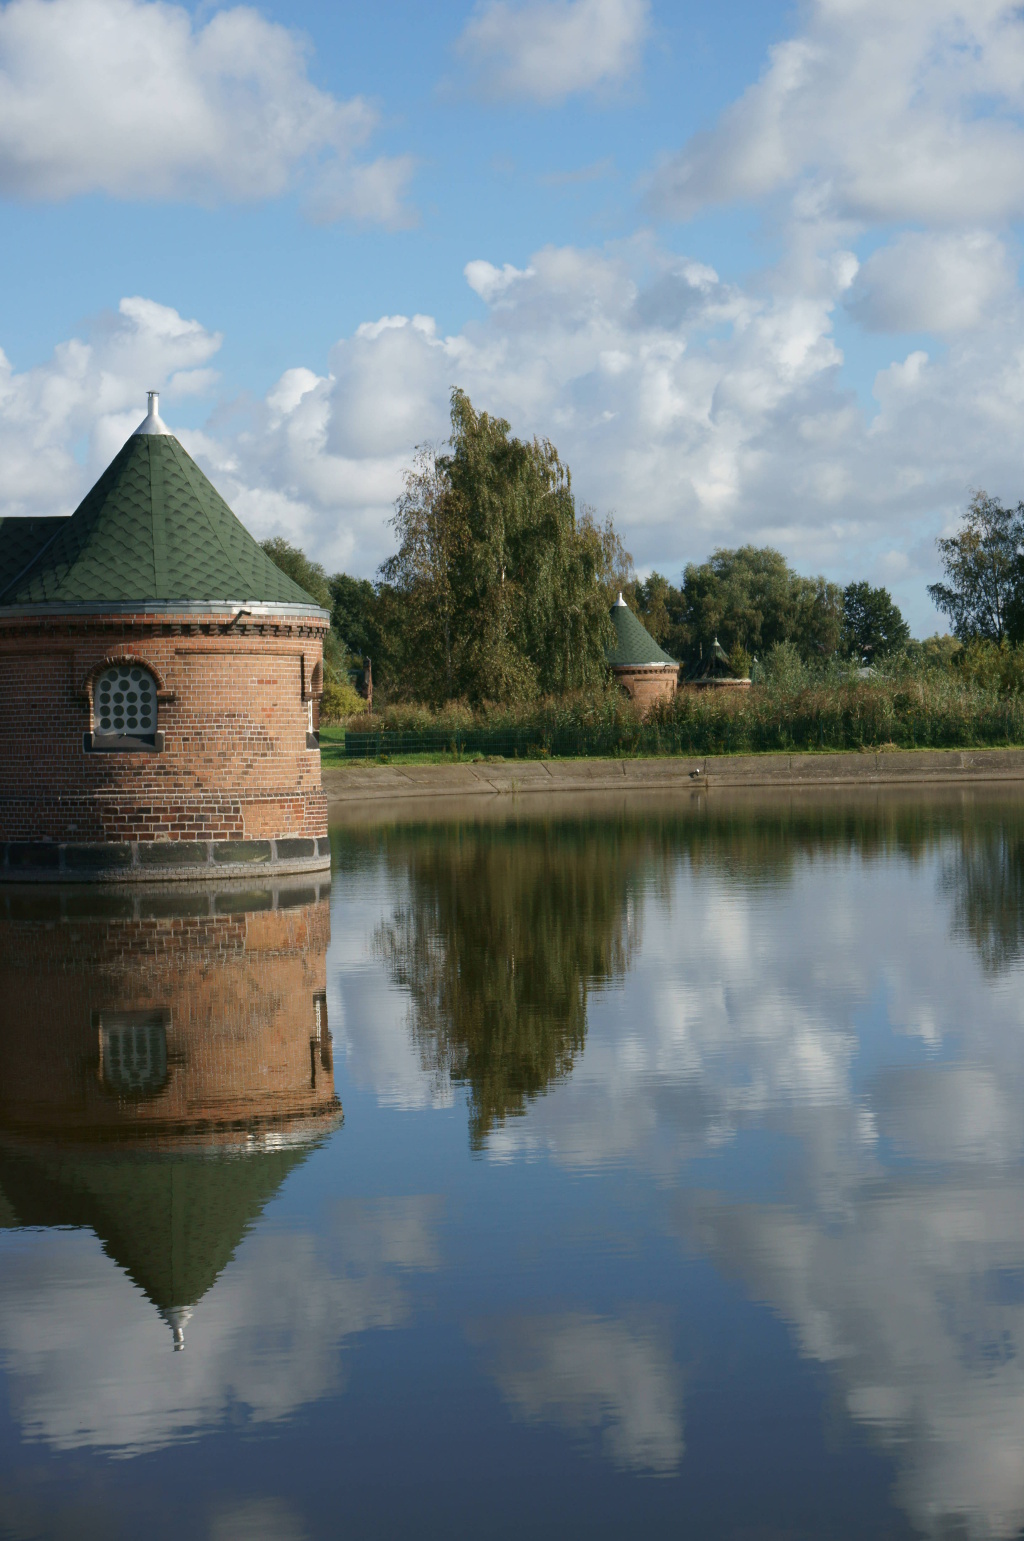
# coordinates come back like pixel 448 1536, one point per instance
pixel 233 708
pixel 646 686
pixel 238 993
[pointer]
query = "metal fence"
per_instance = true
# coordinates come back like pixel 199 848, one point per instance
pixel 514 744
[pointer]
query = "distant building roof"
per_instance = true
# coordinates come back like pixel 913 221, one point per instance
pixel 153 528
pixel 715 666
pixel 634 646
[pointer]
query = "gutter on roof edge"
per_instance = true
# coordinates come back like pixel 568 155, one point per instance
pixel 219 607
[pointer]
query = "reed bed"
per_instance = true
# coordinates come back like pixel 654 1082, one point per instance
pixel 938 710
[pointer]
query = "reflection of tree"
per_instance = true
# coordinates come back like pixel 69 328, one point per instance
pixel 986 877
pixel 505 932
pixel 761 838
pixel 507 925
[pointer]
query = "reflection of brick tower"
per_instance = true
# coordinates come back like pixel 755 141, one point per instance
pixel 161 1070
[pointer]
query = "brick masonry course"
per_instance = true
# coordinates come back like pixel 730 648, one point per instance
pixel 233 710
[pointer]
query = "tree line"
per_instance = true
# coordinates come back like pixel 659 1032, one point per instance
pixel 500 586
pixel 751 601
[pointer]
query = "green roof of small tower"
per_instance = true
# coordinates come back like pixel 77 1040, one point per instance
pixel 715 667
pixel 634 646
pixel 153 528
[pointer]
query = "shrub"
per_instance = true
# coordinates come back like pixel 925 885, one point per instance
pixel 339 701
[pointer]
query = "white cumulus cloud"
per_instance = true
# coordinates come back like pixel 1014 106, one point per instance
pixel 489 282
pixel 897 112
pixel 137 99
pixel 552 49
pixel 701 413
pixel 942 283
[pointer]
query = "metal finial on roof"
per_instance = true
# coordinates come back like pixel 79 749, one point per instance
pixel 152 422
pixel 634 647
pixel 177 1319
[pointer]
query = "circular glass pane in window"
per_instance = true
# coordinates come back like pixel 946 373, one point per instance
pixel 125 701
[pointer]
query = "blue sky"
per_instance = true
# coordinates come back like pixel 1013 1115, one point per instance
pixel 493 181
pixel 753 268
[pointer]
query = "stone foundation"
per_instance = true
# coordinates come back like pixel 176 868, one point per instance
pixel 134 861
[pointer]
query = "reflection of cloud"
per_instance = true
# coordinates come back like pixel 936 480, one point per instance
pixel 914 1296
pixel 584 1373
pixel 370 1019
pixel 723 1030
pixel 917 1304
pixel 256 1519
pixel 745 1005
pixel 372 1028
pixel 952 1113
pixel 780 1008
pixel 89 1362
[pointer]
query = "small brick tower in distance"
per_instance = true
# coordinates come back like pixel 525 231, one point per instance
pixel 159 686
pixel 642 668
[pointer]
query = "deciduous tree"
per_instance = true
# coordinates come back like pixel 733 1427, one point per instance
pixel 983 594
pixel 872 623
pixel 503 582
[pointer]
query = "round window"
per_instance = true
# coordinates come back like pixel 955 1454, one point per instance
pixel 126 702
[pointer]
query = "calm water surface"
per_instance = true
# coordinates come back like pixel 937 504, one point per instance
pixel 636 1169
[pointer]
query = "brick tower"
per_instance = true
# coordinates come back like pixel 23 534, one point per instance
pixel 159 686
pixel 643 669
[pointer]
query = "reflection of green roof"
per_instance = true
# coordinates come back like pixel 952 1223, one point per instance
pixel 171 1221
pixel 634 645
pixel 8 1214
pixel 153 528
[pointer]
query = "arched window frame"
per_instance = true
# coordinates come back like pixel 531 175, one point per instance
pixel 132 734
pixel 312 690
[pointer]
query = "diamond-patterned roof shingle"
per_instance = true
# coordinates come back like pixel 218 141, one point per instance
pixel 22 539
pixel 152 528
pixel 634 645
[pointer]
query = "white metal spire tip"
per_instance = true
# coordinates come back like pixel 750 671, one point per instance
pixel 152 422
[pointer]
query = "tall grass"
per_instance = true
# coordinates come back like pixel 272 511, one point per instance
pixel 937 709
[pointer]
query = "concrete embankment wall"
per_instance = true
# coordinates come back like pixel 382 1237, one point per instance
pixel 361 783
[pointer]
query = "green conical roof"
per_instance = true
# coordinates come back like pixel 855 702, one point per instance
pixel 152 529
pixel 634 645
pixel 21 539
pixel 715 667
